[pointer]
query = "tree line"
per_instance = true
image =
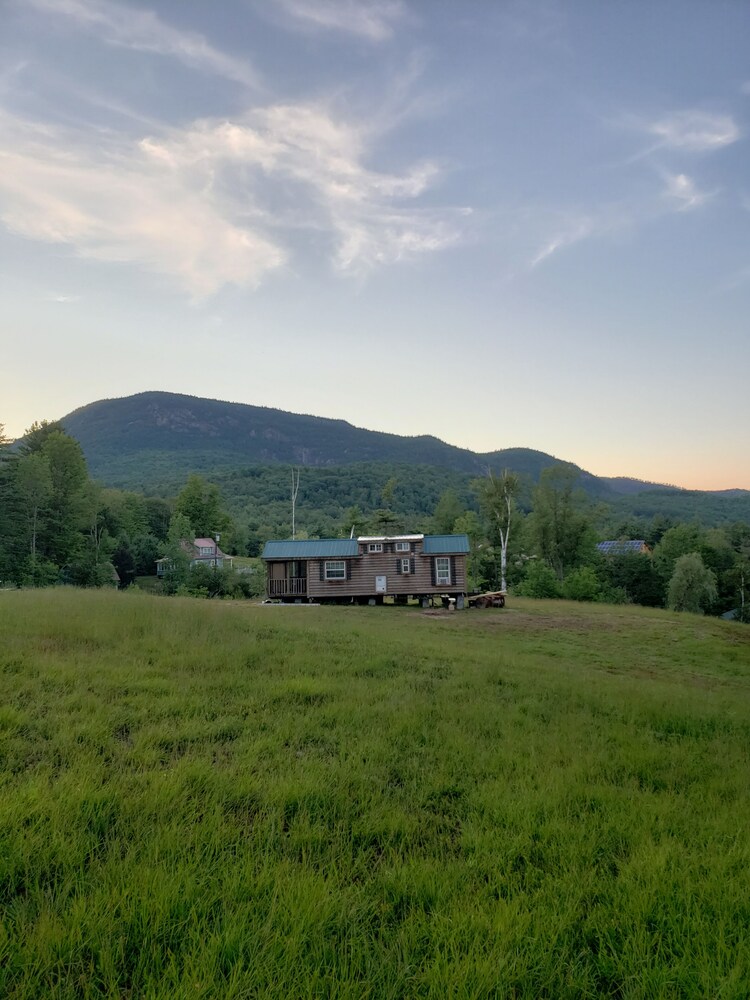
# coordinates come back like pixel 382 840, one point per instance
pixel 59 526
pixel 539 539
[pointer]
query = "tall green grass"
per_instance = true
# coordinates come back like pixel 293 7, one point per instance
pixel 218 800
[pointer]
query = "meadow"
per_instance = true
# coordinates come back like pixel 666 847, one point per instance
pixel 215 799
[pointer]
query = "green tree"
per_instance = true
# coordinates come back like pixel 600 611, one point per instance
pixel 637 576
pixel 559 528
pixel 66 512
pixel 200 503
pixel 158 516
pixel 35 437
pixel 13 550
pixel 176 553
pixel 96 562
pixel 34 478
pixel 384 518
pixel 692 586
pixel 738 576
pixel 677 541
pixel 469 523
pixel 448 510
pixel 353 522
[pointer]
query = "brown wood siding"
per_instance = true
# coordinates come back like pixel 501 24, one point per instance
pixel 362 571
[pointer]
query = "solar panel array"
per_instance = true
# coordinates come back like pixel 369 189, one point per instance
pixel 620 547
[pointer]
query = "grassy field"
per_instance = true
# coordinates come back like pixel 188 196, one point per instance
pixel 204 799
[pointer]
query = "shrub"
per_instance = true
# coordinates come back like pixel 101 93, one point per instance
pixel 582 584
pixel 539 581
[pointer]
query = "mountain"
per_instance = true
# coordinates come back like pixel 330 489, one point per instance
pixel 628 487
pixel 152 441
pixel 139 441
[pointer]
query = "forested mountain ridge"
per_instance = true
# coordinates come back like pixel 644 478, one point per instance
pixel 132 440
pixel 152 442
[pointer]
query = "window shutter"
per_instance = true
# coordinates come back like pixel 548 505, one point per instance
pixel 453 571
pixel 412 565
pixel 398 565
pixel 321 564
pixel 348 569
pixel 433 571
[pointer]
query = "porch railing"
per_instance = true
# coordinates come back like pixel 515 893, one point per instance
pixel 296 586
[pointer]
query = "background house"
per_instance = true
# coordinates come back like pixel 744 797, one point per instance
pixel 202 552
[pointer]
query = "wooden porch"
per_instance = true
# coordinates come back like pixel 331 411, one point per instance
pixel 293 586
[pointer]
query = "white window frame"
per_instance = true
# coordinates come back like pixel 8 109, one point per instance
pixel 334 569
pixel 442 571
pixel 406 566
pixel 206 550
pixel 403 546
pixel 374 546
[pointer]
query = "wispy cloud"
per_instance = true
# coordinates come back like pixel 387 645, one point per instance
pixel 683 193
pixel 218 202
pixel 571 231
pixel 687 131
pixel 694 131
pixel 371 19
pixel 143 30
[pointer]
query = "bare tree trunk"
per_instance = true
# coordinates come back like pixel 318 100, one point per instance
pixel 295 490
pixel 33 534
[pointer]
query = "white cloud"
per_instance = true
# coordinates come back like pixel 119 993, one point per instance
pixel 695 131
pixel 372 19
pixel 220 201
pixel 683 192
pixel 113 205
pixel 142 30
pixel 317 162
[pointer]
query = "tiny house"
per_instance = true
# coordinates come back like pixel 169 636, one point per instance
pixel 371 567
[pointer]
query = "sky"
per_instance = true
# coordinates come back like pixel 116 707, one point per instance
pixel 507 223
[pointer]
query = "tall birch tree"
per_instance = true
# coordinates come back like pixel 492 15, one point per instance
pixel 497 497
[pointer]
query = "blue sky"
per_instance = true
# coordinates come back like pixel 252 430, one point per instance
pixel 503 223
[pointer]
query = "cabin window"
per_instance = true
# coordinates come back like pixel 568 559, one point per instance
pixel 206 550
pixel 375 547
pixel 403 547
pixel 335 569
pixel 406 565
pixel 442 571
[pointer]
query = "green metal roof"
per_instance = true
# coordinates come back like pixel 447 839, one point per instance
pixel 313 548
pixel 436 545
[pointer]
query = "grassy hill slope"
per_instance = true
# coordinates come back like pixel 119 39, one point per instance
pixel 216 800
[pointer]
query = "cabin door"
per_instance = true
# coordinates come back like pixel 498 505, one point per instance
pixel 381 584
